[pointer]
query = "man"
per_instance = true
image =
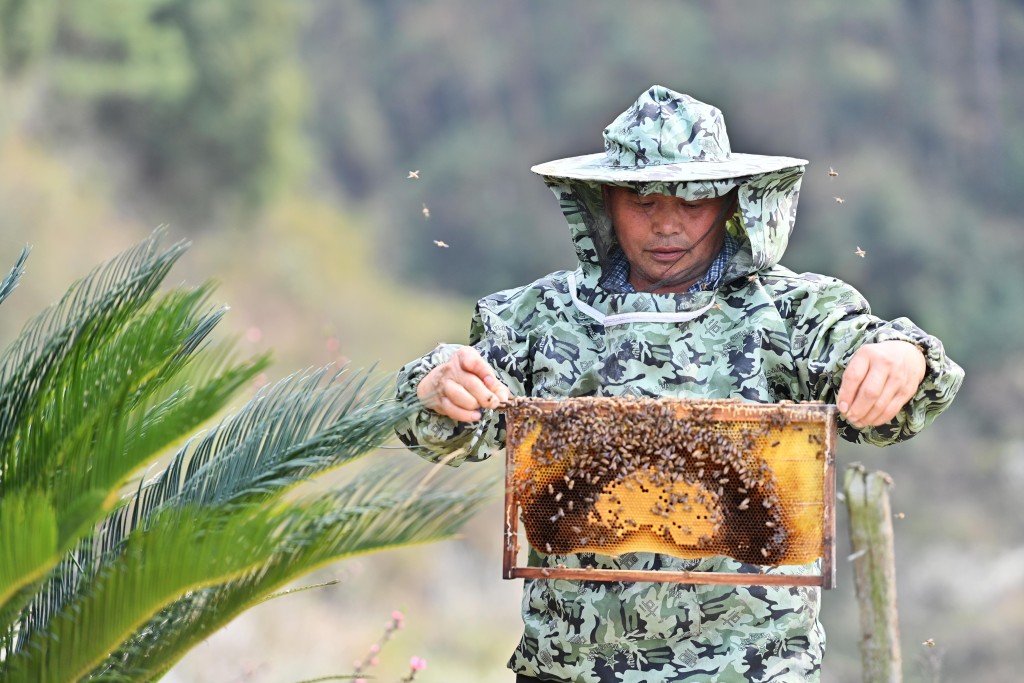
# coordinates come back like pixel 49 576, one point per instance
pixel 678 293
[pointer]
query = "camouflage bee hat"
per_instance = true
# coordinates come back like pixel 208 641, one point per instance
pixel 669 137
pixel 669 143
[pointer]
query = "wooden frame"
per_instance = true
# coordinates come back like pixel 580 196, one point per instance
pixel 722 410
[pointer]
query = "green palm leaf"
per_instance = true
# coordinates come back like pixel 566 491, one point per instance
pixel 364 517
pixel 183 550
pixel 28 525
pixel 102 301
pixel 12 278
pixel 96 400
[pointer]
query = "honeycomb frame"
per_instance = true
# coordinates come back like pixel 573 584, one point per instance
pixel 688 477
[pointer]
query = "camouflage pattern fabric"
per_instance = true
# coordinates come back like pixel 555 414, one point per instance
pixel 665 136
pixel 766 334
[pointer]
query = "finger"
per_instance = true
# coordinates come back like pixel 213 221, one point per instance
pixel 446 407
pixel 429 388
pixel 472 362
pixel 882 412
pixel 459 396
pixel 868 393
pixel 852 378
pixel 475 387
pixel 501 391
pixel 903 395
pixel 889 411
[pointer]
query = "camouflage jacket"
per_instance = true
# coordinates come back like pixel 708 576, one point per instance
pixel 766 334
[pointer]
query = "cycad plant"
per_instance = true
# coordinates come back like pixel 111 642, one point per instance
pixel 107 573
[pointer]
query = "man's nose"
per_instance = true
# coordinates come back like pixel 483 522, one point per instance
pixel 664 221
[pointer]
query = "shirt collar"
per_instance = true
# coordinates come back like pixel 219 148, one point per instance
pixel 615 277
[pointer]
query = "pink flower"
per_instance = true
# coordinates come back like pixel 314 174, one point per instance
pixel 374 661
pixel 397 616
pixel 360 680
pixel 417 664
pixel 375 648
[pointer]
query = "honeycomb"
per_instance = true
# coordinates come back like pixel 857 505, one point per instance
pixel 683 477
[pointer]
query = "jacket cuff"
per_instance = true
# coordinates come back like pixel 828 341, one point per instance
pixel 942 379
pixel 427 429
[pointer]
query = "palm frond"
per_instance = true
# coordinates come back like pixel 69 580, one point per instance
pixel 300 427
pixel 191 397
pixel 94 305
pixel 185 550
pixel 98 402
pixel 28 539
pixel 11 280
pixel 375 512
pixel 106 376
pixel 98 303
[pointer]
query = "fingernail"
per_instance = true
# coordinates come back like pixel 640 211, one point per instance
pixel 843 407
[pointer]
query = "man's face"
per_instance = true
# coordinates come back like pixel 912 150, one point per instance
pixel 665 237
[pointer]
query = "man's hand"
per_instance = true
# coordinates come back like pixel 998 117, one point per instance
pixel 463 385
pixel 880 379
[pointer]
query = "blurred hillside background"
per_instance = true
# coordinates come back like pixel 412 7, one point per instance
pixel 279 138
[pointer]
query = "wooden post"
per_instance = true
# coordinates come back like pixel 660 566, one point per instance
pixel 874 572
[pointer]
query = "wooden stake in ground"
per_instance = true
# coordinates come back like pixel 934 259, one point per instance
pixel 874 572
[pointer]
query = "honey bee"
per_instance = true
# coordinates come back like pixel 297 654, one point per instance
pixel 413 175
pixel 860 252
pixel 426 211
pixel 839 200
pixel 832 173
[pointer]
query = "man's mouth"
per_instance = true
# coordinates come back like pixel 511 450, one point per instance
pixel 666 254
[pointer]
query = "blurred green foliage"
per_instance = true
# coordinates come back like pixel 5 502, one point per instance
pixel 204 100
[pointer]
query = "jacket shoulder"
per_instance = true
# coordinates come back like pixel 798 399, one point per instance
pixel 793 291
pixel 549 292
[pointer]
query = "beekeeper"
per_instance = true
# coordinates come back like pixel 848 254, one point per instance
pixel 678 293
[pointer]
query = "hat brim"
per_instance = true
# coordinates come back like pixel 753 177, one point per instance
pixel 596 168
